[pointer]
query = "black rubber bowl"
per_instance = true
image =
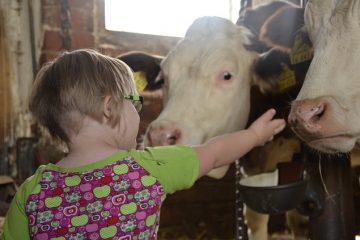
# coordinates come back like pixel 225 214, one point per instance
pixel 272 199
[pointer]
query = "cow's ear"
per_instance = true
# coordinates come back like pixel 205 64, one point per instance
pixel 146 68
pixel 281 28
pixel 270 69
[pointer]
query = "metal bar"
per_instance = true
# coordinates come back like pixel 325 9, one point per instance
pixel 241 228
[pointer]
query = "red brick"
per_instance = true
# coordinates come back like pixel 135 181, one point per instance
pixel 82 21
pixel 46 57
pixel 52 41
pixel 46 3
pixel 82 40
pixel 51 17
pixel 88 4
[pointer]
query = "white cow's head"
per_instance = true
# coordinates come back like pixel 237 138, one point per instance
pixel 326 113
pixel 208 77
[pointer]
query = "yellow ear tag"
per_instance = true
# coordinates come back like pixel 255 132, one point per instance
pixel 301 51
pixel 140 81
pixel 287 78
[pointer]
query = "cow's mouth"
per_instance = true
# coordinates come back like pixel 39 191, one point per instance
pixel 334 144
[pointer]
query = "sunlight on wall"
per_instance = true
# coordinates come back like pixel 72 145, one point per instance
pixel 164 17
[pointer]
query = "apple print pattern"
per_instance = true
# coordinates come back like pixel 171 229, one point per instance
pixel 119 201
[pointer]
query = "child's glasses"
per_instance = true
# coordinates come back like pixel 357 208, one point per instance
pixel 137 101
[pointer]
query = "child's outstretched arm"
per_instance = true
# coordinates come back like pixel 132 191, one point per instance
pixel 225 149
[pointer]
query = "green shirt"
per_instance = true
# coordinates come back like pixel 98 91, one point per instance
pixel 175 167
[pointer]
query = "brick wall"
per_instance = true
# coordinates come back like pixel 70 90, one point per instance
pixel 74 24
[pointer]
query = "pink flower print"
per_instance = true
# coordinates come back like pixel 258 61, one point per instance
pixel 32 206
pixel 95 218
pixel 64 222
pixel 133 175
pixel 118 199
pixel 114 211
pixel 140 215
pixel 144 235
pixel 142 195
pixel 128 226
pixel 31 220
pixel 108 205
pixel 94 207
pixel 88 178
pixel 136 184
pixel 160 190
pixel 141 224
pixel 60 182
pixel 42 195
pixel 47 176
pixel 85 187
pixel 70 211
pixel 154 194
pixel 124 184
pixel 135 166
pixel 59 215
pixel 127 237
pixel 94 236
pixel 107 170
pixel 73 197
pixel 63 174
pixel 91 227
pixel 41 204
pixel 42 236
pixel 46 216
pixel 88 196
pixel 45 227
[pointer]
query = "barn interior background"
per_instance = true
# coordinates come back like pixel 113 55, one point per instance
pixel 33 32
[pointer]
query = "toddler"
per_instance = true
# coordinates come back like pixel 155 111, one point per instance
pixel 104 188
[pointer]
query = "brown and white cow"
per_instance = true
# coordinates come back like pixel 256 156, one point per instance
pixel 326 113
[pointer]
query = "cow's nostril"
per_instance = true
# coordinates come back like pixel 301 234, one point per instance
pixel 173 137
pixel 318 112
pixel 171 140
pixel 163 135
pixel 293 122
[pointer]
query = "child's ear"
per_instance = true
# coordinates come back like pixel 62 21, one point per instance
pixel 107 112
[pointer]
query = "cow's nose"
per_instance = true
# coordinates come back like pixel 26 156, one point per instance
pixel 307 114
pixel 163 135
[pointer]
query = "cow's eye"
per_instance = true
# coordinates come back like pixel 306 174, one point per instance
pixel 227 76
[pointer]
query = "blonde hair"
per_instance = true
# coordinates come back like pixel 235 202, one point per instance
pixel 74 85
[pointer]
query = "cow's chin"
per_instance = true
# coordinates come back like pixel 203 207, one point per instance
pixel 336 144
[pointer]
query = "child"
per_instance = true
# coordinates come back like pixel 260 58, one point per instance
pixel 104 188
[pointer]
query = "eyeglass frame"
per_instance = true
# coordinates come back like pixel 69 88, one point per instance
pixel 135 100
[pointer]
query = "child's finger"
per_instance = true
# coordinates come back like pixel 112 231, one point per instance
pixel 268 115
pixel 279 125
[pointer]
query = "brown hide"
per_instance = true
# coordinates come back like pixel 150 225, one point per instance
pixel 151 110
pixel 279 63
pixel 146 67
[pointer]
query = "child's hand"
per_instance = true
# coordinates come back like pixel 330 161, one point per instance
pixel 265 128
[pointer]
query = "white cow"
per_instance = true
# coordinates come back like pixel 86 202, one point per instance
pixel 210 68
pixel 326 113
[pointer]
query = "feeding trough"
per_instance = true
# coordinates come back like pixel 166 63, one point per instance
pixel 264 194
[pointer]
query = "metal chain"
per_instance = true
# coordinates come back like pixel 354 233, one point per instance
pixel 241 228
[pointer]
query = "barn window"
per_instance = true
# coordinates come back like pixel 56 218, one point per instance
pixel 164 17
